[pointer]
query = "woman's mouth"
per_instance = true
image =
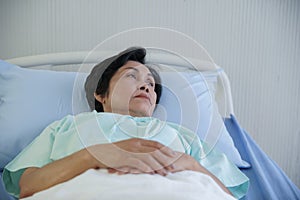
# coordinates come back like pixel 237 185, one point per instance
pixel 143 96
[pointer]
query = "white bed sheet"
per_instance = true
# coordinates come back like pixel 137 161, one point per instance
pixel 99 184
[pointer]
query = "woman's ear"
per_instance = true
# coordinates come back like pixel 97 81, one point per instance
pixel 99 98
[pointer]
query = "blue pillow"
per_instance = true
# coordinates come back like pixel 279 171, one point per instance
pixel 188 99
pixel 31 99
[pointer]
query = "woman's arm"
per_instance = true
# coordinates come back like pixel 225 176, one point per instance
pixel 145 155
pixel 36 179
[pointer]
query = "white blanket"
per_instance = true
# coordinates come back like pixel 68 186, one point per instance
pixel 99 184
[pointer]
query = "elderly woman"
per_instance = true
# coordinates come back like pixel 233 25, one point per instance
pixel 122 93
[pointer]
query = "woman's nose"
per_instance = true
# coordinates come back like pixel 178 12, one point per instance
pixel 145 88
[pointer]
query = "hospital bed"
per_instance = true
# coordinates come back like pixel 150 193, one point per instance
pixel 28 86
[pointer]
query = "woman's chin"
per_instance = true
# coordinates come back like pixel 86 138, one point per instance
pixel 141 112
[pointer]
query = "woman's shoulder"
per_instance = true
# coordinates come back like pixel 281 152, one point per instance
pixel 181 129
pixel 68 121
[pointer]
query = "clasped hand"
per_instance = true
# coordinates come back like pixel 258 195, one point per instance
pixel 140 156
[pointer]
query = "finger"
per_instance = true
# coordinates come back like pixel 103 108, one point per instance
pixel 138 163
pixel 162 172
pixel 145 149
pixel 170 167
pixel 111 170
pixel 151 143
pixel 163 159
pixel 136 145
pixel 166 150
pixel 149 160
pixel 129 170
pixel 135 171
pixel 122 170
pixel 155 166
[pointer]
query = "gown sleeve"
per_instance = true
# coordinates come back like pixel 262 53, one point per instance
pixel 36 154
pixel 215 162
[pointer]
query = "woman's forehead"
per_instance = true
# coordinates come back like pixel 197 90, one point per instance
pixel 136 66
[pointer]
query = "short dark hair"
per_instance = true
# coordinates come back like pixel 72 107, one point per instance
pixel 100 76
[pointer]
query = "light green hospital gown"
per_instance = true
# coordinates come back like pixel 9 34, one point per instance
pixel 73 133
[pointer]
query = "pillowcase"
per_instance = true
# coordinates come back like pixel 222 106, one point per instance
pixel 188 99
pixel 31 99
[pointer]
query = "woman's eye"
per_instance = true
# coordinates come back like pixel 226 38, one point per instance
pixel 151 84
pixel 131 75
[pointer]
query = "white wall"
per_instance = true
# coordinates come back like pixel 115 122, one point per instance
pixel 256 42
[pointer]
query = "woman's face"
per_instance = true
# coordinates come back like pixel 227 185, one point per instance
pixel 131 91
